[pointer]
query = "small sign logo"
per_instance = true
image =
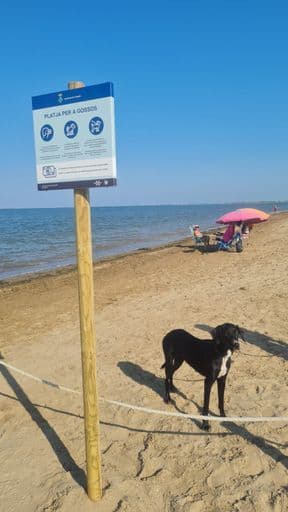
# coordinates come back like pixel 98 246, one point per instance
pixel 49 171
pixel 60 97
pixel 47 132
pixel 96 125
pixel 71 129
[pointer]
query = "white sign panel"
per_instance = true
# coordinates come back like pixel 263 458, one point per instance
pixel 74 133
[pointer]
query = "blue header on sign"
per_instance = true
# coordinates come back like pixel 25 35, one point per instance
pixel 68 96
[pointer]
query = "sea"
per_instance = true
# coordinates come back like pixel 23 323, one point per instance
pixel 41 240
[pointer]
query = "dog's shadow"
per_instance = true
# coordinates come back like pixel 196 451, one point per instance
pixel 270 345
pixel 150 380
pixel 142 377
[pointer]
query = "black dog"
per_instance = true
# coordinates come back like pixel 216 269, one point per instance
pixel 210 358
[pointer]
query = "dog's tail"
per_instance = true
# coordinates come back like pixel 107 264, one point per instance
pixel 163 365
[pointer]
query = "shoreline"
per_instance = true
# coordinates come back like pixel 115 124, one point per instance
pixel 72 268
pixel 67 270
pixel 25 261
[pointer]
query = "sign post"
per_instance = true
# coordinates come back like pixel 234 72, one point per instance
pixel 75 148
pixel 88 336
pixel 88 352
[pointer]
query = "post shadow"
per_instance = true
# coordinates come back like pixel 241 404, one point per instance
pixel 60 450
pixel 41 406
pixel 272 346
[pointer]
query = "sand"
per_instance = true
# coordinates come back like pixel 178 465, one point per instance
pixel 149 462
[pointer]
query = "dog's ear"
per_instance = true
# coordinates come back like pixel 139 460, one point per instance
pixel 213 333
pixel 217 333
pixel 240 332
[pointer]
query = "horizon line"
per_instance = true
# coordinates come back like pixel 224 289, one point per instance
pixel 147 205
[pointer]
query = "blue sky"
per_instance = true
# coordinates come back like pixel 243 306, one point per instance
pixel 200 95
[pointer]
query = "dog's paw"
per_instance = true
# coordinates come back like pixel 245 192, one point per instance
pixel 205 426
pixel 167 400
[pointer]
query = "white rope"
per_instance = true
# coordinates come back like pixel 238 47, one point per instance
pixel 235 419
pixel 199 417
pixel 43 381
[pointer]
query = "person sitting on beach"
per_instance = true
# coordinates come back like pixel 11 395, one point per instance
pixel 245 230
pixel 196 231
pixel 238 228
pixel 198 236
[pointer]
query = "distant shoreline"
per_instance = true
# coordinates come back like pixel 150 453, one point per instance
pixel 68 269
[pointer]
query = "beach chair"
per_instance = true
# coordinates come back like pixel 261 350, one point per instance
pixel 197 236
pixel 229 239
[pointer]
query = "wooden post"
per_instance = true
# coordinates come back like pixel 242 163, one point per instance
pixel 87 328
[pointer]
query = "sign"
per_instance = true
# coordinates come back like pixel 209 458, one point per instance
pixel 74 132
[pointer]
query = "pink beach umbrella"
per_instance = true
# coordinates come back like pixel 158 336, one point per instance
pixel 247 215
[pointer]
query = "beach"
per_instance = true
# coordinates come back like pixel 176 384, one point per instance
pixel 149 462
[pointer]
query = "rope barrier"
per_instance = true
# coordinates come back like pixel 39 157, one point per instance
pixel 235 419
pixel 43 381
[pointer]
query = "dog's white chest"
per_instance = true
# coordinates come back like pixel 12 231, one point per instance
pixel 223 369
